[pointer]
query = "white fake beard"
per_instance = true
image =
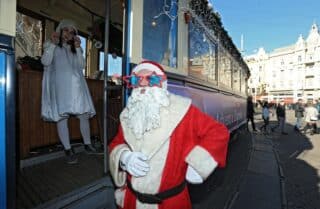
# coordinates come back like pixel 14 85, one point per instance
pixel 143 110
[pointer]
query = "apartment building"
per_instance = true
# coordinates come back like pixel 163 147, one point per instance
pixel 290 73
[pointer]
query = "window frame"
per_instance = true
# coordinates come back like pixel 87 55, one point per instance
pixel 136 34
pixel 34 15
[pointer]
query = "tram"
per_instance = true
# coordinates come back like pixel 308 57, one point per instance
pixel 186 37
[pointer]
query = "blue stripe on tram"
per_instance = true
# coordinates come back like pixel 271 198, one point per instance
pixel 3 171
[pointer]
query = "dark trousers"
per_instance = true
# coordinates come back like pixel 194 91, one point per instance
pixel 250 118
pixel 312 125
pixel 280 124
pixel 265 125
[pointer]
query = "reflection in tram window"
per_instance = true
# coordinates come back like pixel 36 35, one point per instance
pixel 236 77
pixel 160 26
pixel 225 68
pixel 243 82
pixel 202 54
pixel 28 36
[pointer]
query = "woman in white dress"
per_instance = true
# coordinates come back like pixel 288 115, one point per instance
pixel 64 89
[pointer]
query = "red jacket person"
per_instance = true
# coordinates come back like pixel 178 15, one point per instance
pixel 162 142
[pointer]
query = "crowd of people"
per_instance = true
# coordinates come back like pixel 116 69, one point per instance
pixel 305 113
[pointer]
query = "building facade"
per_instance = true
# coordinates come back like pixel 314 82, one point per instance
pixel 288 73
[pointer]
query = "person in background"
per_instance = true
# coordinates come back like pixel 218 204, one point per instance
pixel 162 134
pixel 265 117
pixel 281 117
pixel 250 113
pixel 317 102
pixel 298 111
pixel 64 90
pixel 311 118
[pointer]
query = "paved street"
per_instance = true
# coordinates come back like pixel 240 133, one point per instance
pixel 299 157
pixel 219 190
pixel 265 171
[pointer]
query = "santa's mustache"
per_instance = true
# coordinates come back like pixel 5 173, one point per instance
pixel 143 109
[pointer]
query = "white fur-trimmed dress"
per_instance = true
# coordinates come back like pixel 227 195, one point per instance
pixel 64 88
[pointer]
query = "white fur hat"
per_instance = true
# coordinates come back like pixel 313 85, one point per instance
pixel 66 23
pixel 149 65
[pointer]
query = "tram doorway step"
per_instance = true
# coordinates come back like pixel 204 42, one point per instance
pixel 98 195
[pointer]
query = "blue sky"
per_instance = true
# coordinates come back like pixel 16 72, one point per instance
pixel 267 23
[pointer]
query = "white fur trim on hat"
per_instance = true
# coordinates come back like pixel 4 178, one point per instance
pixel 155 67
pixel 148 66
pixel 66 23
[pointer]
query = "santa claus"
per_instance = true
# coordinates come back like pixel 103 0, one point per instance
pixel 163 141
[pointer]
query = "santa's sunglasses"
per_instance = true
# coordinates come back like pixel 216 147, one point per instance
pixel 134 80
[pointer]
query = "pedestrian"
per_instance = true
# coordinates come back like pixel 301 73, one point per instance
pixel 162 142
pixel 265 117
pixel 317 103
pixel 64 90
pixel 281 117
pixel 311 118
pixel 298 111
pixel 250 113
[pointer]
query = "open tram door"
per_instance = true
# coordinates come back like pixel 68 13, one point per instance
pixel 29 147
pixel 7 104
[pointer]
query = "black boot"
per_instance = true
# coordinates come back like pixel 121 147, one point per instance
pixel 90 149
pixel 71 157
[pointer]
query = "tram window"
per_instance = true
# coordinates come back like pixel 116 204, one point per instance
pixel 202 54
pixel 101 61
pixel 29 36
pixel 84 50
pixel 160 31
pixel 236 78
pixel 243 81
pixel 114 66
pixel 224 68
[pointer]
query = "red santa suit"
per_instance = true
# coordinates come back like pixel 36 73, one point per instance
pixel 185 137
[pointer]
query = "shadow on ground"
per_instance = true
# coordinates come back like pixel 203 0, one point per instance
pixel 219 189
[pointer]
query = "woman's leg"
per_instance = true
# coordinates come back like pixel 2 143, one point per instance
pixel 315 128
pixel 252 123
pixel 85 132
pixel 85 128
pixel 63 133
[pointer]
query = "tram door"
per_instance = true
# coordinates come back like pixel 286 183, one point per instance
pixel 7 104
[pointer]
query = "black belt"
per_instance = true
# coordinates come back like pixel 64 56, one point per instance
pixel 157 198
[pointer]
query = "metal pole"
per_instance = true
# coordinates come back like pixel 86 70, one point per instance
pixel 105 92
pixel 7 123
pixel 11 126
pixel 3 171
pixel 126 66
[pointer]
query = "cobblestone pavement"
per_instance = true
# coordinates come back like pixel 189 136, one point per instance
pixel 299 156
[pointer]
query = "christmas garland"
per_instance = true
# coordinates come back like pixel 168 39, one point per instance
pixel 212 21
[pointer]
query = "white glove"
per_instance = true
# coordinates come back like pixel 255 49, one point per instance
pixel 135 163
pixel 193 176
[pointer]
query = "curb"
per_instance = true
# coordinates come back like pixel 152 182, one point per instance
pixel 284 202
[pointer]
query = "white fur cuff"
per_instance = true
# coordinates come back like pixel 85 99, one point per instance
pixel 118 176
pixel 201 160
